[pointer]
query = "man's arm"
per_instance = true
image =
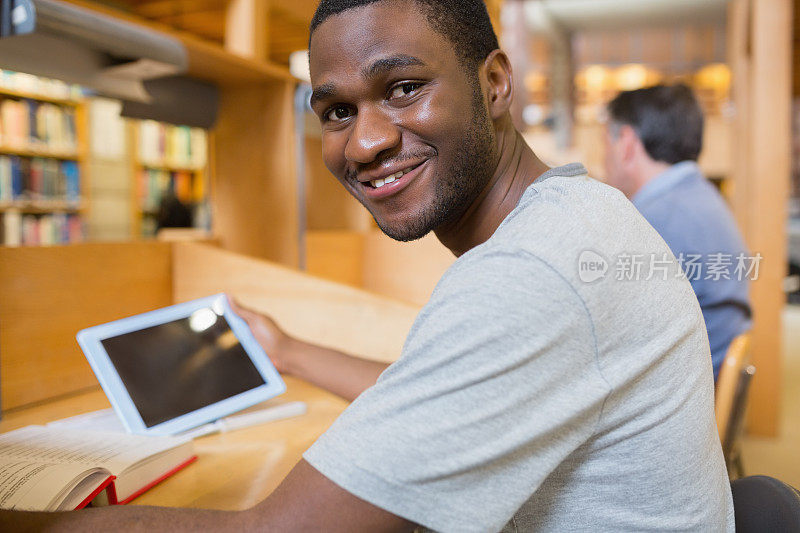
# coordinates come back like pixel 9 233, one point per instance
pixel 305 501
pixel 337 372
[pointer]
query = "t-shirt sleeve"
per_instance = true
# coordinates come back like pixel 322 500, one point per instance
pixel 497 384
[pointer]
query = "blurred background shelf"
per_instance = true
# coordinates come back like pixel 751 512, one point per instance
pixel 41 207
pixel 43 161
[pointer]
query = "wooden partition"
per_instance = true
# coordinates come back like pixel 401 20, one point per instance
pixel 316 310
pixel 336 255
pixel 405 271
pixel 760 44
pixel 48 294
pixel 408 271
pixel 254 184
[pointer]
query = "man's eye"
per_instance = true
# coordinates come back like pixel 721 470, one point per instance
pixel 404 89
pixel 337 113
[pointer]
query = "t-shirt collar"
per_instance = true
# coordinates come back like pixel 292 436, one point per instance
pixel 665 181
pixel 566 171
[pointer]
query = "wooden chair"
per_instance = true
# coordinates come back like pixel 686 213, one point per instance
pixel 731 398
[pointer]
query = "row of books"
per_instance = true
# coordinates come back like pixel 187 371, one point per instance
pixel 28 124
pixel 38 178
pixel 172 146
pixel 32 230
pixel 34 85
pixel 153 185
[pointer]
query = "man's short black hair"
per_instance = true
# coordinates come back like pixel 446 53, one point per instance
pixel 465 23
pixel 667 119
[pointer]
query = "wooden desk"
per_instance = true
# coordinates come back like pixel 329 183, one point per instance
pixel 50 293
pixel 234 470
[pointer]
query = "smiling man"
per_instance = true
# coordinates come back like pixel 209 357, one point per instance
pixel 542 387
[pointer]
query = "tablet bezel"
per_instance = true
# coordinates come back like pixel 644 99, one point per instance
pixel 90 339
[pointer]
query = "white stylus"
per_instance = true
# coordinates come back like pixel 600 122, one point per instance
pixel 231 423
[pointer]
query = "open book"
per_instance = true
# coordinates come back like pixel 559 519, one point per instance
pixel 54 469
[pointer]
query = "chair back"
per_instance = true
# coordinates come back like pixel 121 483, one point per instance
pixel 763 503
pixel 736 418
pixel 736 360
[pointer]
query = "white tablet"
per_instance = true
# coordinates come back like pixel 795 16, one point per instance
pixel 179 367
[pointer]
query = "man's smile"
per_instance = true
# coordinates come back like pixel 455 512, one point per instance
pixel 386 181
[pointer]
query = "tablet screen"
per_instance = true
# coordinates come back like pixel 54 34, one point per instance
pixel 178 367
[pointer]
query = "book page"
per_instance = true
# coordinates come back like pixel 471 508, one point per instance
pixel 113 451
pixel 30 486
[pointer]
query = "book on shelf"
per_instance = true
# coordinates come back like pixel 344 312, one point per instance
pixel 31 125
pixel 154 184
pixel 39 178
pixel 17 229
pixel 12 228
pixel 182 186
pixel 36 85
pixel 56 469
pixel 177 147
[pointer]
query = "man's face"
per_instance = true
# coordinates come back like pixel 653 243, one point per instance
pixel 404 127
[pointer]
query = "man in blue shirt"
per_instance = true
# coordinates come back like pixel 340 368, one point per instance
pixel 653 140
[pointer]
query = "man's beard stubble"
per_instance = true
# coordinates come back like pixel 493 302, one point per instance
pixel 456 190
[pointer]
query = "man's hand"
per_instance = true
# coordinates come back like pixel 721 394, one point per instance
pixel 337 372
pixel 276 343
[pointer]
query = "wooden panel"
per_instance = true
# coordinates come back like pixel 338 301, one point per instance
pixel 796 49
pixel 494 7
pixel 328 204
pixel 336 255
pixel 302 10
pixel 49 293
pixel 166 8
pixel 407 271
pixel 657 46
pixel 246 26
pixel 699 45
pixel 716 157
pixel 316 310
pixel 287 33
pixel 202 23
pixel 760 50
pixel 211 63
pixel 253 190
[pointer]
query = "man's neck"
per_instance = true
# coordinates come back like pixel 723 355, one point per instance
pixel 517 168
pixel 648 170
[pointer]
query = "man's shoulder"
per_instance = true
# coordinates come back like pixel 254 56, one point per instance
pixel 694 217
pixel 564 217
pixel 500 265
pixel 694 197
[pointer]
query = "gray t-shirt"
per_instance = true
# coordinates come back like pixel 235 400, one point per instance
pixel 559 379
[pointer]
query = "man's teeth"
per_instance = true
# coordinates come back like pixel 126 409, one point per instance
pixel 380 183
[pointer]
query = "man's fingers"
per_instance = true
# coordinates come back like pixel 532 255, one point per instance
pixel 241 311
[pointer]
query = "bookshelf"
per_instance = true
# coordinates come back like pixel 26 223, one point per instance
pixel 168 159
pixel 43 161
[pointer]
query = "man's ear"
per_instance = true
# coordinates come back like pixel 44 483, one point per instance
pixel 500 83
pixel 630 142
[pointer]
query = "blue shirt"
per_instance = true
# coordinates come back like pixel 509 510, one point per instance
pixel 694 220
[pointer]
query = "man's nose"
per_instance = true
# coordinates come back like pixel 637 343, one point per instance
pixel 372 134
